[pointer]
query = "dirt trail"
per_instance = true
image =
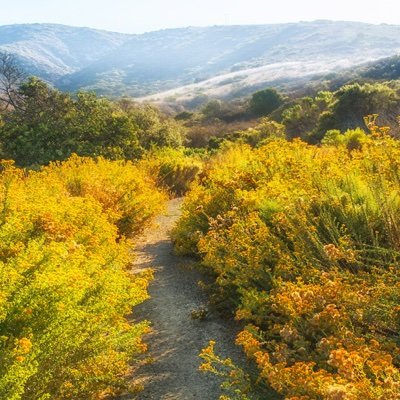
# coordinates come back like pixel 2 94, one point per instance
pixel 176 339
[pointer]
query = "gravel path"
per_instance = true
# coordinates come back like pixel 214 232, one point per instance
pixel 176 338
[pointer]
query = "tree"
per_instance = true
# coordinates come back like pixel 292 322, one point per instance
pixel 302 118
pixel 52 125
pixel 156 130
pixel 265 101
pixel 104 128
pixel 11 77
pixel 353 102
pixel 212 109
pixel 38 129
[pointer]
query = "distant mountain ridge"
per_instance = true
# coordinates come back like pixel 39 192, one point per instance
pixel 218 60
pixel 51 51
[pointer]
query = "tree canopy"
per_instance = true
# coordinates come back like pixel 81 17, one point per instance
pixel 265 101
pixel 46 125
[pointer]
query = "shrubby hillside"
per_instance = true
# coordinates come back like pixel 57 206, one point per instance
pixel 240 58
pixel 269 113
pixel 50 51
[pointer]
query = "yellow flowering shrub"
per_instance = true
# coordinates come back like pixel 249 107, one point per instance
pixel 174 169
pixel 122 188
pixel 303 242
pixel 65 289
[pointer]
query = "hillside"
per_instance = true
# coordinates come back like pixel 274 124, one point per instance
pixel 237 57
pixel 51 51
pixel 221 61
pixel 387 68
pixel 381 70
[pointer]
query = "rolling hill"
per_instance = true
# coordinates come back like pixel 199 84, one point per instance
pixel 221 61
pixel 51 51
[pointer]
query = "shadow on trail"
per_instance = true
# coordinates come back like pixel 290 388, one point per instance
pixel 176 339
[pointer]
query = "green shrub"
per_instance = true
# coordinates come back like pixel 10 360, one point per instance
pixel 175 169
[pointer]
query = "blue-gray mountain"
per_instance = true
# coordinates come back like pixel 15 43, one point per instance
pixel 214 60
pixel 51 51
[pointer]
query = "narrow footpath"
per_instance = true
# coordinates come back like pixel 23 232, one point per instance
pixel 176 338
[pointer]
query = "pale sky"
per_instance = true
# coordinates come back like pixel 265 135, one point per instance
pixel 136 16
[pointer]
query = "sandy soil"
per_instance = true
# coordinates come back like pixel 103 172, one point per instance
pixel 177 338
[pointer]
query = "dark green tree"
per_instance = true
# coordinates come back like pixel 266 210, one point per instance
pixel 47 125
pixel 50 125
pixel 36 130
pixel 265 101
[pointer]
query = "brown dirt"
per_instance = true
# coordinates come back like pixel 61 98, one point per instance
pixel 176 339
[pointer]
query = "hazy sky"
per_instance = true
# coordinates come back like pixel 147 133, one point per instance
pixel 135 16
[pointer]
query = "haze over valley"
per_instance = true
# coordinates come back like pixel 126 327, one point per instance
pixel 218 61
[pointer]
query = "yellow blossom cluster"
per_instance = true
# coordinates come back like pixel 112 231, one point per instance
pixel 65 290
pixel 304 242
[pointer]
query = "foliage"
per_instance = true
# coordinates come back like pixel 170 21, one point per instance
pixel 352 102
pixel 211 133
pixel 212 109
pixel 265 101
pixel 264 131
pixel 303 242
pixel 48 125
pixel 65 287
pixel 237 384
pixel 156 130
pixel 352 138
pixel 122 189
pixel 301 118
pixel 224 111
pixel 308 118
pixel 175 169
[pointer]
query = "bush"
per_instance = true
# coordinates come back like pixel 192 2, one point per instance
pixel 65 287
pixel 121 188
pixel 303 244
pixel 352 102
pixel 175 169
pixel 265 101
pixel 302 118
pixel 154 130
pixel 264 131
pixel 47 125
pixel 352 138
